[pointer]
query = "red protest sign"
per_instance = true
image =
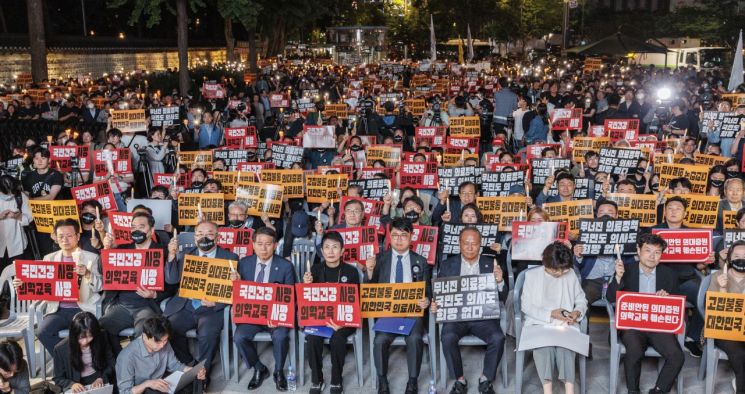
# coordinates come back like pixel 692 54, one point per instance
pixel 61 157
pixel 359 243
pixel 319 303
pixel 423 242
pixel 622 129
pixel 685 246
pixel 236 240
pixel 419 175
pixel 99 191
pixel 566 119
pixel 530 238
pixel 213 90
pixel 649 312
pixel 241 137
pixel 278 100
pixel 458 144
pixel 263 303
pixel 255 167
pixel 121 226
pixel 434 135
pixel 128 269
pixel 373 210
pixel 118 161
pixel 47 281
pixel 161 179
pixel 371 172
pixel 534 150
pixel 319 136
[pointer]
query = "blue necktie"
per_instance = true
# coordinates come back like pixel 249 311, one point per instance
pixel 399 269
pixel 260 278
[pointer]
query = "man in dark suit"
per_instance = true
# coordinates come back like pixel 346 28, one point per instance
pixel 565 184
pixel 469 262
pixel 185 314
pixel 442 212
pixel 630 108
pixel 264 267
pixel 400 265
pixel 648 277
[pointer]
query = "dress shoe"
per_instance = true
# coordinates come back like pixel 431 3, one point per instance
pixel 411 387
pixel 336 389
pixel 383 385
pixel 485 387
pixel 280 381
pixel 259 375
pixel 459 387
pixel 656 391
pixel 316 388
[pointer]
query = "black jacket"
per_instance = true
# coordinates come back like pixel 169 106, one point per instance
pixel 65 375
pixel 666 279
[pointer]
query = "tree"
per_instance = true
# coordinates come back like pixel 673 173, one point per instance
pixel 245 12
pixel 37 40
pixel 152 10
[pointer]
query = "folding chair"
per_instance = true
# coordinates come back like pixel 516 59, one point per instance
pixel 21 321
pixel 712 354
pixel 260 337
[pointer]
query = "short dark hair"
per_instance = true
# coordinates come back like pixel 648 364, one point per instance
pixel 265 231
pixel 626 182
pixel 43 151
pixel 548 149
pixel 565 175
pixel 145 207
pixel 160 188
pixel 332 236
pixel 156 327
pixel 402 224
pixel 11 356
pixel 93 204
pixel 213 181
pixel 684 182
pixel 603 201
pixel 466 183
pixel 590 154
pixel 416 200
pixel 651 239
pixel 475 208
pixel 199 170
pixel 114 133
pixel 354 201
pixel 677 199
pixel 67 222
pixel 557 256
pixel 149 217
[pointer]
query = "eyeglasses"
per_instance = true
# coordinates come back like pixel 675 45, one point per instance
pixel 355 211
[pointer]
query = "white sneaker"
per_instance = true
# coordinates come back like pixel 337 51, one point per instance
pixel 734 384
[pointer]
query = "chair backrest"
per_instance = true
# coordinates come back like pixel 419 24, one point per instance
pixel 516 296
pixel 303 250
pixel 16 306
pixel 701 296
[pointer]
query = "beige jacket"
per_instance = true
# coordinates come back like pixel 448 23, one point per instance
pixel 90 289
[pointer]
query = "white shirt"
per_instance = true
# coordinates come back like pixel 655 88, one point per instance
pixel 466 268
pixel 211 254
pixel 12 237
pixel 266 270
pixel 406 262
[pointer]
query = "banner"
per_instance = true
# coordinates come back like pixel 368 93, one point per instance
pixel 389 154
pixel 46 281
pixel 600 237
pixel 529 239
pixel 566 119
pixel 465 126
pixel 99 191
pixel 319 303
pixel 319 137
pixel 229 180
pixel 236 240
pixel 121 227
pixel 451 236
pixel 702 211
pixel 434 135
pixel 204 278
pixel 570 211
pixel 62 158
pixel 451 177
pixel 685 246
pixel 697 174
pixel 541 169
pixel 48 212
pixel 709 160
pixel 622 129
pixel 129 269
pixel 210 206
pixel 116 161
pixel 292 181
pixel 374 189
pixel 423 242
pixel 582 145
pixel 254 167
pixel 196 159
pixel 649 312
pixel 502 210
pixel 278 100
pixel 418 175
pixel 128 120
pixel 241 137
pixel 359 243
pixel 164 116
pixel 466 298
pixel 618 161
pixel 637 206
pixel 284 156
pixel 731 236
pixel 391 299
pixel 261 199
pixel 726 123
pixel 264 303
pixel 373 210
pixel 534 151
pixel 213 90
pixel 231 157
pixel 724 316
pixel 496 184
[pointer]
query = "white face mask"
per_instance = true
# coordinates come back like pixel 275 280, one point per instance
pixel 91 106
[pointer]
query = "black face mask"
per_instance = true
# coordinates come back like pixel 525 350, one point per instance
pixel 197 184
pixel 738 265
pixel 733 174
pixel 355 148
pixel 397 138
pixel 413 216
pixel 87 218
pixel 655 186
pixel 204 244
pixel 236 223
pixel 716 183
pixel 138 236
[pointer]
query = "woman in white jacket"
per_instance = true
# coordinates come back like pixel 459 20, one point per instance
pixel 15 213
pixel 552 295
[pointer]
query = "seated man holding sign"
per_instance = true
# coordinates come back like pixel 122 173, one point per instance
pixel 651 278
pixel 184 314
pixel 264 267
pixel 400 265
pixel 470 262
pixel 59 314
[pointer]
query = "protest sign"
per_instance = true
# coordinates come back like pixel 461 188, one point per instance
pixel 389 154
pixel 534 151
pixel 618 161
pixel 729 220
pixel 128 120
pixel 241 137
pixel 99 191
pixel 291 181
pixel 649 312
pixel 736 99
pixel 13 166
pixel 457 145
pixel 434 135
pixel 231 157
pixel 731 236
pixel 727 124
pixel 130 269
pixel 502 210
pixel 697 174
pixel 121 227
pixel 540 169
pixel 466 298
pixel 465 126
pixel 284 156
pixel 254 167
pixel 306 105
pixel 373 210
pixel 319 303
pixel 359 243
pixel 724 316
pixel 319 137
pixel 46 281
pixel 229 180
pixel 391 299
pixel 494 184
pixel 451 236
pixel 261 198
pixel 582 145
pixel 570 211
pixel 47 212
pixel 450 159
pixel 529 239
pixel 195 159
pixel 451 177
pixel 592 64
pixel 622 129
pixel 204 278
pixel 702 211
pixel 419 175
pixel 566 119
pixel 636 206
pixel 685 246
pixel 263 304
pixel 374 189
pixel 194 208
pixel 112 161
pixel 322 188
pixel 709 160
pixel 164 116
pixel 162 210
pixel 339 110
pixel 213 90
pixel 167 180
pixel 236 240
pixel 600 237
pixel 63 157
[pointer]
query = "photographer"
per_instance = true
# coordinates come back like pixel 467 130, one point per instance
pixel 156 151
pixel 434 116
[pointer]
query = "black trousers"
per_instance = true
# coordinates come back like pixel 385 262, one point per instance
pixel 337 350
pixel 414 349
pixel 593 289
pixel 488 331
pixel 666 345
pixel 208 322
pixel 736 353
pixel 118 317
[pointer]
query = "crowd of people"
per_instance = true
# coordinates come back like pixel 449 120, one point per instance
pixel 514 102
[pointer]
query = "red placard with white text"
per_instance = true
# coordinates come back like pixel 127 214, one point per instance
pixel 685 246
pixel 650 312
pixel 278 100
pixel 61 161
pixel 423 242
pixel 373 210
pixel 435 135
pixel 99 191
pixel 241 137
pixel 161 179
pixel 419 175
pixel 117 160
pixel 255 167
pixel 128 269
pixel 566 119
pixel 319 303
pixel 47 281
pixel 534 151
pixel 359 243
pixel 121 226
pixel 236 240
pixel 622 129
pixel 263 303
pixel 213 90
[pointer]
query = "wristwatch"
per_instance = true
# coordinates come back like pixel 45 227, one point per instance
pixel 564 313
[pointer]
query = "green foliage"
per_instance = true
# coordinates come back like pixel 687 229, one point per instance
pixel 151 9
pixel 244 11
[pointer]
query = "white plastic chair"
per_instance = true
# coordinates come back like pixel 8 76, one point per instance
pixel 712 354
pixel 20 322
